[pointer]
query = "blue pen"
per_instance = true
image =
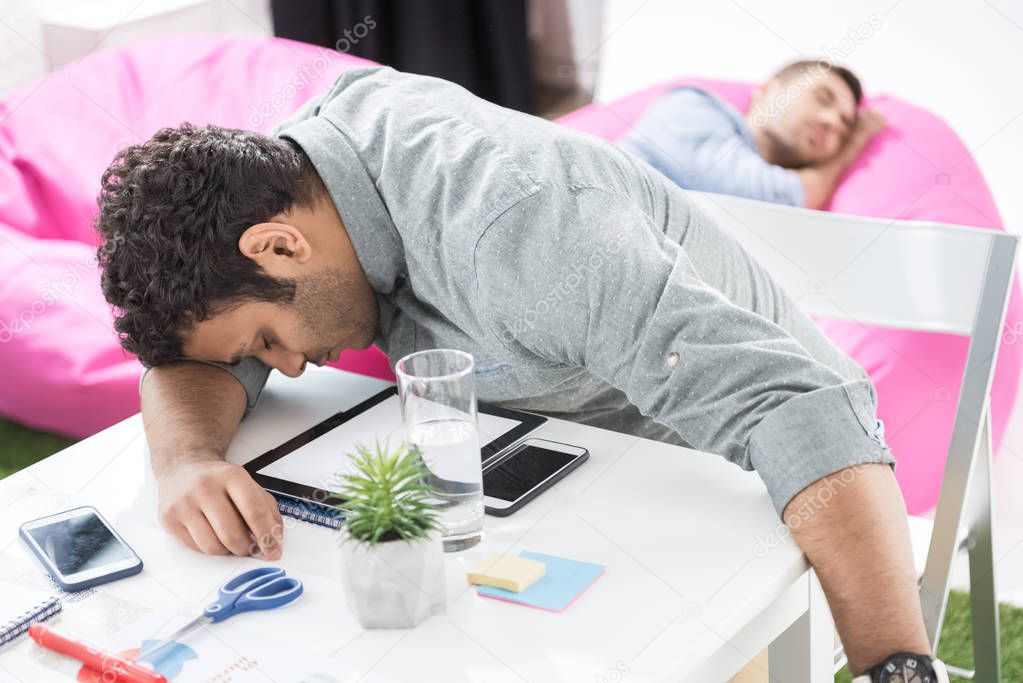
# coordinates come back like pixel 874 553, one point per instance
pixel 256 589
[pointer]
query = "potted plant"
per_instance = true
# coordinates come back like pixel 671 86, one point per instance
pixel 391 551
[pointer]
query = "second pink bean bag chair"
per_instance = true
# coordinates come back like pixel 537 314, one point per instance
pixel 917 169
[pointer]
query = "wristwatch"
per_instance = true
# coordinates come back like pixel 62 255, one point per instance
pixel 906 667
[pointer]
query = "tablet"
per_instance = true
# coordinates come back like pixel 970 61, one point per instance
pixel 312 465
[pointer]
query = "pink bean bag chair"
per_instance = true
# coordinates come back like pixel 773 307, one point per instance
pixel 917 169
pixel 62 368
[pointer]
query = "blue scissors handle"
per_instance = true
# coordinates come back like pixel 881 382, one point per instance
pixel 256 589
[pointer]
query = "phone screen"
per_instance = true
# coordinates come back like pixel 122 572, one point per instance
pixel 80 543
pixel 517 474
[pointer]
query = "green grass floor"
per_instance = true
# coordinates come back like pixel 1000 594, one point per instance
pixel 21 446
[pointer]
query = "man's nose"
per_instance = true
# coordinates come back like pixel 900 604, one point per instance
pixel 290 363
pixel 831 120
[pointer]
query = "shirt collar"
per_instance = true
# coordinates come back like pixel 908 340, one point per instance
pixel 374 236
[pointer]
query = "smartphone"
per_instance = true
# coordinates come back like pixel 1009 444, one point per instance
pixel 529 468
pixel 79 548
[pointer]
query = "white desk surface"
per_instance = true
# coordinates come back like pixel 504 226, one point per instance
pixel 692 589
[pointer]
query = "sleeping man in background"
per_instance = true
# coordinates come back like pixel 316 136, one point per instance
pixel 800 133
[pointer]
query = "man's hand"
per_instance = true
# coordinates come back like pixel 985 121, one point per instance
pixel 191 412
pixel 215 507
pixel 868 124
pixel 820 179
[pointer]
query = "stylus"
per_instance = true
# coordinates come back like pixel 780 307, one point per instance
pixel 112 667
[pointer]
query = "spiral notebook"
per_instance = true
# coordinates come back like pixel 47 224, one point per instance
pixel 20 607
pixel 308 511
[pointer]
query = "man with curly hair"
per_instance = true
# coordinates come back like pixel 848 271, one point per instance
pixel 402 211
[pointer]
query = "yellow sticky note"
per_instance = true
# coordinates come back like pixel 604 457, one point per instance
pixel 509 572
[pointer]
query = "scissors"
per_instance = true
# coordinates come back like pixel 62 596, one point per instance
pixel 256 589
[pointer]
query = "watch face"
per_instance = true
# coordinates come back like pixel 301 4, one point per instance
pixel 907 669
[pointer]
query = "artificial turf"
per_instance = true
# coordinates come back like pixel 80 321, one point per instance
pixel 21 446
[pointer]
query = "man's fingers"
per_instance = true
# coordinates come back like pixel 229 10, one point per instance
pixel 179 532
pixel 872 121
pixel 217 508
pixel 259 509
pixel 203 535
pixel 231 529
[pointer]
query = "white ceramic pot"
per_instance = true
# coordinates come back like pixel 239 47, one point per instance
pixel 394 584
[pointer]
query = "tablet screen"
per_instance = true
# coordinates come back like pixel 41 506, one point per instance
pixel 315 461
pixel 321 463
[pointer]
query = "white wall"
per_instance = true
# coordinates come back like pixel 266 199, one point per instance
pixel 962 59
pixel 36 35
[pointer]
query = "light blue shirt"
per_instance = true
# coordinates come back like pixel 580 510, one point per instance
pixel 702 143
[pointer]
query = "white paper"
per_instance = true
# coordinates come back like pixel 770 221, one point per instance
pixel 220 653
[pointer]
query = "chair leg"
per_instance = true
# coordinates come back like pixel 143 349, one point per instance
pixel 805 652
pixel 951 514
pixel 983 597
pixel 966 500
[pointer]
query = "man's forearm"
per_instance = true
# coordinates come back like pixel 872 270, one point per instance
pixel 191 412
pixel 818 184
pixel 819 181
pixel 852 527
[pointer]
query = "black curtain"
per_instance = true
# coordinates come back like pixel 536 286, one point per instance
pixel 479 44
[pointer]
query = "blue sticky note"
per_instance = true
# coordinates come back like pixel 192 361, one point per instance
pixel 564 581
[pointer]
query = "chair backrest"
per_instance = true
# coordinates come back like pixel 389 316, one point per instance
pixel 903 274
pixel 908 275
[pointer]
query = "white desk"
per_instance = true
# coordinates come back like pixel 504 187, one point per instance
pixel 692 590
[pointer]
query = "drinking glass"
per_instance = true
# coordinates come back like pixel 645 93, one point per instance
pixel 437 392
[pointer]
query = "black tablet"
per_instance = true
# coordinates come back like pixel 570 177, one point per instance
pixel 312 464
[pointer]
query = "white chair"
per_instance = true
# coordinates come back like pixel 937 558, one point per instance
pixel 918 276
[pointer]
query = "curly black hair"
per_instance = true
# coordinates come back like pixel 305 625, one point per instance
pixel 171 211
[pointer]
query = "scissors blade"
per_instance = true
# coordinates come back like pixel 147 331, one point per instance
pixel 199 621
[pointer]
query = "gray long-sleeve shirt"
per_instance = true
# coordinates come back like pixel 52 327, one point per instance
pixel 582 281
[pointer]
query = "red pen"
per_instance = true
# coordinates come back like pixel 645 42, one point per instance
pixel 112 667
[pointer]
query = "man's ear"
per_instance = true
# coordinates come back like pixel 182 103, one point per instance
pixel 760 91
pixel 267 242
pixel 757 96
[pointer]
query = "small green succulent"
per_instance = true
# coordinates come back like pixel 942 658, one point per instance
pixel 386 498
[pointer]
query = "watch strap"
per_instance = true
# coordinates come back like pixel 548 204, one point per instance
pixel 939 669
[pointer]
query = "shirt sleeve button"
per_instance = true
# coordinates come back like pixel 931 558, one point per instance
pixel 673 358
